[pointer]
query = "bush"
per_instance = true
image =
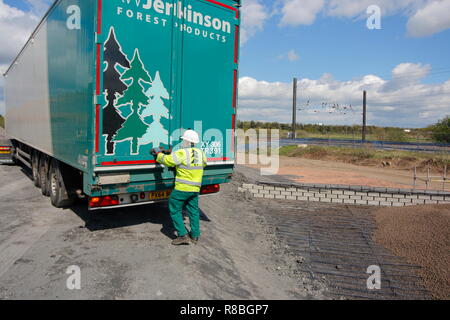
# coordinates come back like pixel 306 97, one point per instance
pixel 2 122
pixel 294 151
pixel 441 130
pixel 395 135
pixel 379 133
pixel 364 154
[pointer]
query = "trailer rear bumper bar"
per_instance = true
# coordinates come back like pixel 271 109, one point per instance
pixel 125 205
pixel 141 198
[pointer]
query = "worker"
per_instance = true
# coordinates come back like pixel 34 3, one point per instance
pixel 189 162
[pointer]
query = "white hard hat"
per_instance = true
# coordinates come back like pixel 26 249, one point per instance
pixel 191 136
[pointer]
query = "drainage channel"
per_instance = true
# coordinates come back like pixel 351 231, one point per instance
pixel 336 244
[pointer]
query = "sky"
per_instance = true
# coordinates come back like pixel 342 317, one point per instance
pixel 336 49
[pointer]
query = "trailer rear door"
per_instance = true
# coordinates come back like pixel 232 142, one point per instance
pixel 163 66
pixel 134 100
pixel 208 76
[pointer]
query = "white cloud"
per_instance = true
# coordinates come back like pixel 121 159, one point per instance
pixel 401 105
pixel 254 15
pixel 291 55
pixel 433 18
pixel 300 12
pixel 426 17
pixel 406 74
pixel 357 8
pixel 16 26
pixel 39 7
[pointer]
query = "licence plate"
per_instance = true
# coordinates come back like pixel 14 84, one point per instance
pixel 158 195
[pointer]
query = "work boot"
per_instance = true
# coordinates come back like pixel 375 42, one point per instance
pixel 193 240
pixel 181 240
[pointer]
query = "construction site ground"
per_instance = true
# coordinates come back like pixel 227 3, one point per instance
pixel 126 253
pixel 334 172
pixel 250 249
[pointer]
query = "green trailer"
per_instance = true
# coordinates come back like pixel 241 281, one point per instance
pixel 102 82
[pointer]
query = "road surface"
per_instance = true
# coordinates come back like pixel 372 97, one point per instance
pixel 126 253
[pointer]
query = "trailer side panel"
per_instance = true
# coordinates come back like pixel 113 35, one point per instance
pixel 49 89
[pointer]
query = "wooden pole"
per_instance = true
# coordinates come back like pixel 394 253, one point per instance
pixel 444 178
pixel 415 177
pixel 364 116
pixel 294 107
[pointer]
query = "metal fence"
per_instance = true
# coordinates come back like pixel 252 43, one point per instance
pixel 428 179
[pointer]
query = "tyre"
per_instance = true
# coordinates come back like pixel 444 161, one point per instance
pixel 43 175
pixel 57 188
pixel 35 169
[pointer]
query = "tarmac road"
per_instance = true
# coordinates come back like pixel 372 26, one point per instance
pixel 126 253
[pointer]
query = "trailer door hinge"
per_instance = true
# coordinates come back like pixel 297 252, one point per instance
pixel 97 38
pixel 99 99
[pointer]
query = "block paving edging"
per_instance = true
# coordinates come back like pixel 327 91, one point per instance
pixel 356 195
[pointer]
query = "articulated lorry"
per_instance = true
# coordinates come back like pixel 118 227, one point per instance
pixel 102 82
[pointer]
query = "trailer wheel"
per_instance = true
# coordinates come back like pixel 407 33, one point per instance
pixel 43 174
pixel 35 169
pixel 57 188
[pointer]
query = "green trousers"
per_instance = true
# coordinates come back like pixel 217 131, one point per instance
pixel 177 200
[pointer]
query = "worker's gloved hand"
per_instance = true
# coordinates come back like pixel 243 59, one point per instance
pixel 167 151
pixel 154 152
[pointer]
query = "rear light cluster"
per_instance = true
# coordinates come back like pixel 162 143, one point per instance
pixel 212 188
pixel 106 201
pixel 135 197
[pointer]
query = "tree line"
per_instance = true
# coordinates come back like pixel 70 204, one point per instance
pixel 439 132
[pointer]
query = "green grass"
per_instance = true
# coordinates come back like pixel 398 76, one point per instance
pixel 359 154
pixel 357 136
pixel 390 136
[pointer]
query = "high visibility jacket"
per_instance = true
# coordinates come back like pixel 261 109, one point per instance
pixel 190 163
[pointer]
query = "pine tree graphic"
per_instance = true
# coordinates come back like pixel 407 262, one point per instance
pixel 113 85
pixel 133 127
pixel 156 134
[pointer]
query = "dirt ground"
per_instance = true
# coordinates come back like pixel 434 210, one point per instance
pixel 126 253
pixel 329 172
pixel 420 234
pixel 370 157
